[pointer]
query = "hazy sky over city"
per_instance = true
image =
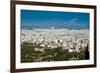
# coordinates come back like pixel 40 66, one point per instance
pixel 48 19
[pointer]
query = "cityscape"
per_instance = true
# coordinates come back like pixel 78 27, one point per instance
pixel 57 41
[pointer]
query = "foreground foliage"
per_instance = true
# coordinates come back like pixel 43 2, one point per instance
pixel 28 54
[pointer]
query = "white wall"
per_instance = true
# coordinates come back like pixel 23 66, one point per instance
pixel 5 36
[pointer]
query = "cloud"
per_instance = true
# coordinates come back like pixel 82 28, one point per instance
pixel 73 21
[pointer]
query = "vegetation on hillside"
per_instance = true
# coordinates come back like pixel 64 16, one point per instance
pixel 29 54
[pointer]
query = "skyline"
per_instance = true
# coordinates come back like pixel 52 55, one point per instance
pixel 49 19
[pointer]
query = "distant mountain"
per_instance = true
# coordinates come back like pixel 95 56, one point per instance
pixel 57 27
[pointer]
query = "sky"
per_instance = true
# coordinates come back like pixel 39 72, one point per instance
pixel 49 19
